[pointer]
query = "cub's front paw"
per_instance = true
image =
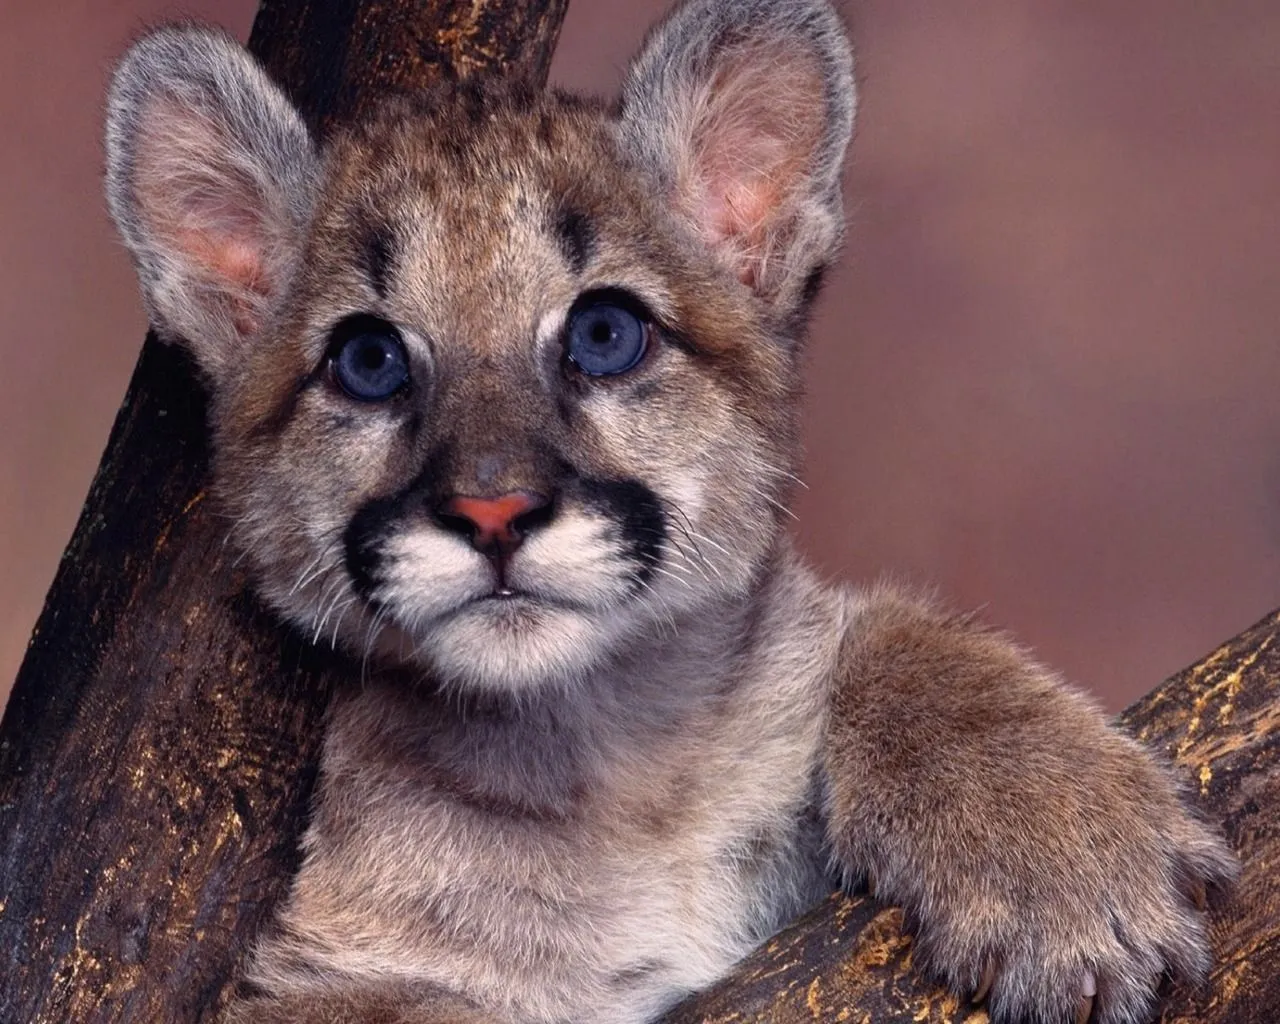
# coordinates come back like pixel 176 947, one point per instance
pixel 1069 907
pixel 1044 859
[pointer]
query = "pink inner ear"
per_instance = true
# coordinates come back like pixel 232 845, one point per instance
pixel 204 211
pixel 757 132
pixel 238 266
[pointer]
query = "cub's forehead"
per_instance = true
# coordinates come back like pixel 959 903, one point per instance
pixel 466 131
pixel 470 157
pixel 448 208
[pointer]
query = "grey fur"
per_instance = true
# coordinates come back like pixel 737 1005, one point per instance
pixel 213 86
pixel 578 801
pixel 670 79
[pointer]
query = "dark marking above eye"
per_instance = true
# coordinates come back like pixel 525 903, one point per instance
pixel 577 238
pixel 379 257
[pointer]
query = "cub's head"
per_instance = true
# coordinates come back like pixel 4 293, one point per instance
pixel 502 383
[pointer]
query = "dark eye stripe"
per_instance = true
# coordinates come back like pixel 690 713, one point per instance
pixel 577 237
pixel 379 257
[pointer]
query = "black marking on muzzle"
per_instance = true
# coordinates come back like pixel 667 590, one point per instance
pixel 379 519
pixel 362 543
pixel 642 523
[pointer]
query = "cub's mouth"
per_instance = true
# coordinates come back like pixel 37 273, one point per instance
pixel 509 588
pixel 508 601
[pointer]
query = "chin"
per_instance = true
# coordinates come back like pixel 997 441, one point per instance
pixel 516 644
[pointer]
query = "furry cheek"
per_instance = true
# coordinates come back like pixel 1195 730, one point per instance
pixel 714 486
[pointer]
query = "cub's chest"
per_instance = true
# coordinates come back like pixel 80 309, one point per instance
pixel 607 905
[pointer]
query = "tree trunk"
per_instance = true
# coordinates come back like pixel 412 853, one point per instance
pixel 160 744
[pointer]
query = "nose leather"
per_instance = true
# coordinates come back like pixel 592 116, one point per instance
pixel 493 519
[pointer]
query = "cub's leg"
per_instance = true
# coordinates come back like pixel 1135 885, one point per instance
pixel 387 1004
pixel 1038 853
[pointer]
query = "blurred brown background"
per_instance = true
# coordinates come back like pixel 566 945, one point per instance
pixel 1047 375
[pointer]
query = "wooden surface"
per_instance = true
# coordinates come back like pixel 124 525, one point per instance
pixel 335 58
pixel 1219 722
pixel 159 747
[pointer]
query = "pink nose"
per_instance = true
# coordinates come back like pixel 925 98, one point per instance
pixel 494 524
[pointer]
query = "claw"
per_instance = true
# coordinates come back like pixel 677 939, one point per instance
pixel 1088 990
pixel 984 987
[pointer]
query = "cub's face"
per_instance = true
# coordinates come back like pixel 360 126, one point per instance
pixel 503 385
pixel 508 419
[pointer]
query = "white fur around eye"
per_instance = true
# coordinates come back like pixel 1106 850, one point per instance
pixel 549 327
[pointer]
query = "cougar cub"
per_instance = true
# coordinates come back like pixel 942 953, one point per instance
pixel 504 401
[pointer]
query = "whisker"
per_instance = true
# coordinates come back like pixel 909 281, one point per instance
pixel 666 618
pixel 319 564
pixel 682 523
pixel 333 604
pixel 776 504
pixel 778 471
pixel 679 579
pixel 342 614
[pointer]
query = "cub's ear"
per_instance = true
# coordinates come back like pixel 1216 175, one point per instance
pixel 210 178
pixel 744 108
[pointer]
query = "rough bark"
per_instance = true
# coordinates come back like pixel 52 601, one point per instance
pixel 849 961
pixel 159 747
pixel 335 58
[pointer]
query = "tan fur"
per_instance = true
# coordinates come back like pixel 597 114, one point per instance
pixel 578 780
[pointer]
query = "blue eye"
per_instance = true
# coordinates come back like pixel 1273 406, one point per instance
pixel 369 359
pixel 605 338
